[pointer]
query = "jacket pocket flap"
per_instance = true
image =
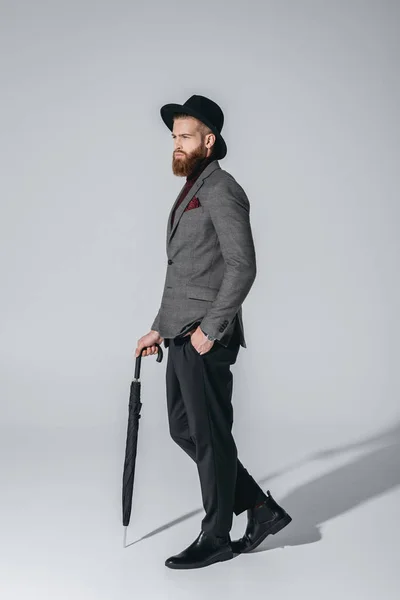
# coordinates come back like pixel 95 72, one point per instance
pixel 201 292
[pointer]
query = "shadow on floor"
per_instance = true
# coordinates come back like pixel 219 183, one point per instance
pixel 335 493
pixel 332 494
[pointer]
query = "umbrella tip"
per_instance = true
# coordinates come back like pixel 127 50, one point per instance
pixel 125 530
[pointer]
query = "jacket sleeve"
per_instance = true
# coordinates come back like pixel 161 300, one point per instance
pixel 229 209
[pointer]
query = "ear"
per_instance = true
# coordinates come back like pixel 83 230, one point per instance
pixel 210 140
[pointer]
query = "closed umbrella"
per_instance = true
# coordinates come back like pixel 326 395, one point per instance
pixel 135 406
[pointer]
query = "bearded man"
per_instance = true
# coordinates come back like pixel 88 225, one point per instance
pixel 211 268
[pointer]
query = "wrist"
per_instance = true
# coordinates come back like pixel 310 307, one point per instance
pixel 209 337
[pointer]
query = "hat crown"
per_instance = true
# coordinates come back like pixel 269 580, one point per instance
pixel 209 109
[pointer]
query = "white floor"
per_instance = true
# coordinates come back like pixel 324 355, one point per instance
pixel 62 534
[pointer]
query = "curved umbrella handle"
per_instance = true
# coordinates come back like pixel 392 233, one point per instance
pixel 139 359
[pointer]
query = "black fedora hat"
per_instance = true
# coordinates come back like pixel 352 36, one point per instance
pixel 204 109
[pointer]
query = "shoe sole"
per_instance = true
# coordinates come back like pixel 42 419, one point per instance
pixel 274 529
pixel 218 558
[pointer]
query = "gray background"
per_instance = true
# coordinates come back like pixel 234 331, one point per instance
pixel 310 92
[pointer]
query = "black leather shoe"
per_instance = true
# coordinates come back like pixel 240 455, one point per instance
pixel 268 518
pixel 204 551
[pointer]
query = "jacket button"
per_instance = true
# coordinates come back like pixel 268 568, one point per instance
pixel 170 261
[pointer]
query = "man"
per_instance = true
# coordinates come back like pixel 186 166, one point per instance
pixel 211 268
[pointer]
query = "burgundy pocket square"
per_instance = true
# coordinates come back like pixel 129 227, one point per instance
pixel 194 203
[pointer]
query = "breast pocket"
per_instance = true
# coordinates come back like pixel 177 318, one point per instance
pixel 193 213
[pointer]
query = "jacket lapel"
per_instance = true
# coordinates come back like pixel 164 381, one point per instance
pixel 192 192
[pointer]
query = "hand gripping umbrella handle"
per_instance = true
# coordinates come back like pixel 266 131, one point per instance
pixel 139 359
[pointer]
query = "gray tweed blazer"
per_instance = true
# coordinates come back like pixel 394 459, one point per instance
pixel 211 261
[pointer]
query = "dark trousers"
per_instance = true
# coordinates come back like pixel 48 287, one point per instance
pixel 200 413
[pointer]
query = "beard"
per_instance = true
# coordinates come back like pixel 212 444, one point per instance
pixel 182 166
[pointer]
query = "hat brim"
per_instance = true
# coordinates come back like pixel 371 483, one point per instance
pixel 168 111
